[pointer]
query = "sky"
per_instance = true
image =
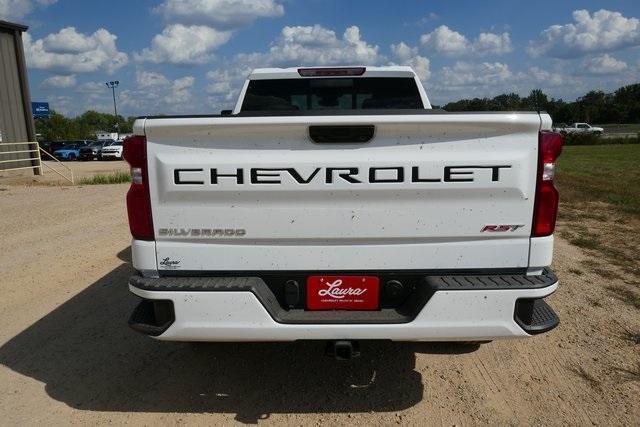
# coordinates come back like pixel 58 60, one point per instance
pixel 191 56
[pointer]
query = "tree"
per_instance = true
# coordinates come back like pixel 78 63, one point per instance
pixel 622 106
pixel 84 126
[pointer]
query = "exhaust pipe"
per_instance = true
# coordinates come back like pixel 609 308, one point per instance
pixel 343 349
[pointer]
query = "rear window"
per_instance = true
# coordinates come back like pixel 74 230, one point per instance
pixel 363 93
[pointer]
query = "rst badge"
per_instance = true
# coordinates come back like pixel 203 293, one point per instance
pixel 500 228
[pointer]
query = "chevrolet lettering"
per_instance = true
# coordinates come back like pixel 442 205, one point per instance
pixel 331 175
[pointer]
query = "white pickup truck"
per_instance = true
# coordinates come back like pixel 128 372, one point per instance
pixel 582 128
pixel 335 204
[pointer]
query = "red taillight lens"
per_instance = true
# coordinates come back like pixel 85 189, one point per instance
pixel 331 72
pixel 545 209
pixel 138 200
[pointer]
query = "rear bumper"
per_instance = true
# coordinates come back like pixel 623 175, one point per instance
pixel 113 155
pixel 234 309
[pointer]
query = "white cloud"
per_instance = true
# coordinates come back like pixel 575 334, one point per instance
pixel 465 80
pixel 449 42
pixel 155 93
pixel 68 40
pixel 604 64
pixel 63 104
pixel 91 88
pixel 176 91
pixel 60 81
pixel 549 79
pixel 17 9
pixel 74 52
pixel 470 74
pixel 406 55
pixel 221 14
pixel 316 45
pixel 500 76
pixel 224 84
pixel 493 43
pixel 420 65
pixel 444 40
pixel 603 31
pixel 180 44
pixel 198 27
pixel 403 52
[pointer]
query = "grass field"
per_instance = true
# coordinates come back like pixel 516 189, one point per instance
pixel 600 209
pixel 621 128
pixel 606 173
pixel 114 178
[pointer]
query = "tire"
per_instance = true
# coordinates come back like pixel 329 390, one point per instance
pixel 71 157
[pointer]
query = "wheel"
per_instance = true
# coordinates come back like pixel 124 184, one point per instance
pixel 71 157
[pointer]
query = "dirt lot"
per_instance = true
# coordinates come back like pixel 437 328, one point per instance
pixel 67 356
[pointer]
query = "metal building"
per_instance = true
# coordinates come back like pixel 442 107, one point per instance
pixel 16 120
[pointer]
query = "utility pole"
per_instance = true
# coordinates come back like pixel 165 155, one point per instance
pixel 113 85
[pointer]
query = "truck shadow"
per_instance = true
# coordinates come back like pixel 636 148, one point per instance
pixel 89 359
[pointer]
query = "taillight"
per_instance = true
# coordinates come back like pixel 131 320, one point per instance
pixel 138 200
pixel 545 209
pixel 331 72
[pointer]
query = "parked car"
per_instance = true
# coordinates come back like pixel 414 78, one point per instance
pixel 56 145
pixel 113 151
pixel 46 146
pixel 68 152
pixel 581 128
pixel 93 151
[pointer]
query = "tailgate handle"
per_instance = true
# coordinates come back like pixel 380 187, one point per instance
pixel 337 134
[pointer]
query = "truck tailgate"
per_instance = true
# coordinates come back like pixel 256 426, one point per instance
pixel 256 193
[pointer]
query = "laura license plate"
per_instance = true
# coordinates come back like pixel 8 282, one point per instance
pixel 343 292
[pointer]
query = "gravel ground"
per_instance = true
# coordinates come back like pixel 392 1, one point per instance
pixel 49 177
pixel 67 356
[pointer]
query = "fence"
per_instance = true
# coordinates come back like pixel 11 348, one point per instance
pixel 26 155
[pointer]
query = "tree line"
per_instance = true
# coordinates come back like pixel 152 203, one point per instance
pixel 621 106
pixel 57 127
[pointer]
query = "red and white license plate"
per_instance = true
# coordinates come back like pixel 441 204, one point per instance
pixel 343 292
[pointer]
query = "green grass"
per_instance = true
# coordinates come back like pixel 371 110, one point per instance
pixel 592 139
pixel 621 128
pixel 607 173
pixel 115 178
